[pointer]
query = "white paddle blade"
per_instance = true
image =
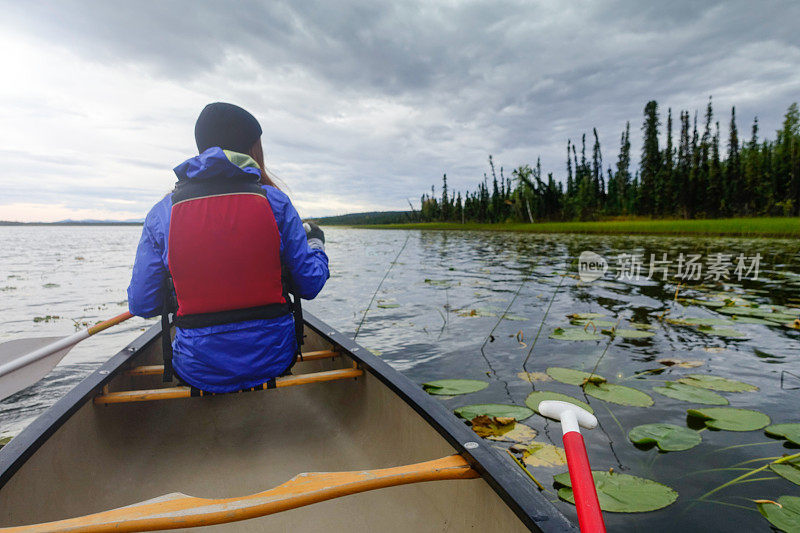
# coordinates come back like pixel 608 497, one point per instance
pixel 21 378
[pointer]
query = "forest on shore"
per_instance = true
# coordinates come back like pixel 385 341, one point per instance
pixel 689 177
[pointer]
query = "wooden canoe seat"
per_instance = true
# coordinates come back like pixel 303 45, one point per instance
pixel 171 393
pixel 157 370
pixel 178 510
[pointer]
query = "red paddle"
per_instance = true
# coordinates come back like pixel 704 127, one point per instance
pixel 590 518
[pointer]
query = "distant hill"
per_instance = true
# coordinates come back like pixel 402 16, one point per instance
pixel 70 222
pixel 364 219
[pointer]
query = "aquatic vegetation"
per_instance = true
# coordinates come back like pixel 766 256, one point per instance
pixel 707 381
pixel 585 316
pixel 535 398
pixel 688 393
pixel 789 470
pixel 790 432
pixel 668 437
pixel 47 318
pixel 594 323
pixel 502 429
pixel 530 377
pixel 618 394
pixel 621 493
pixel 723 332
pixel 682 363
pixel 542 454
pixel 730 418
pixel 494 410
pixel 572 377
pixel 783 514
pixel 628 333
pixel 575 334
pixel 454 387
pixel 698 321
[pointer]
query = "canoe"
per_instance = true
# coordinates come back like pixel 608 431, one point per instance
pixel 376 453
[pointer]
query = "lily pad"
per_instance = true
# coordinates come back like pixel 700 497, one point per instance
pixel 706 303
pixel 570 376
pixel 476 312
pixel 753 320
pixel 542 454
pixel 784 515
pixel 730 418
pixel 453 387
pixel 599 324
pixel 682 363
pixel 575 334
pixel 619 394
pixel 698 321
pixel 514 318
pixel 621 493
pixel 502 429
pixel 759 312
pixel 729 333
pixel 629 333
pixel 707 381
pixel 388 306
pixel 493 410
pixel 535 398
pixel 530 377
pixel 790 432
pixel 789 470
pixel 668 437
pixel 688 393
pixel 583 316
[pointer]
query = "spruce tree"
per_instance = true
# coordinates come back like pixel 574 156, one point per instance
pixel 622 178
pixel 667 194
pixel 734 189
pixel 650 165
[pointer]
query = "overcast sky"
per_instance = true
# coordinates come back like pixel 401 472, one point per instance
pixel 363 104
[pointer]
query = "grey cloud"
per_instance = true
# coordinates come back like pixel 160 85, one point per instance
pixel 511 78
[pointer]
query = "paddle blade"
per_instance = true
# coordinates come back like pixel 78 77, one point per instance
pixel 24 377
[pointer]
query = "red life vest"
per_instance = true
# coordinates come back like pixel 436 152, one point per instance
pixel 224 253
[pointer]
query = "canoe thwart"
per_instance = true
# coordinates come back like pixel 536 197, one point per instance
pixel 171 393
pixel 177 510
pixel 157 370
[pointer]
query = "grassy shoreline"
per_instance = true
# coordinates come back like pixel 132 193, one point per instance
pixel 734 227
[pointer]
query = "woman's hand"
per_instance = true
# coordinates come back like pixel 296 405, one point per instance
pixel 315 235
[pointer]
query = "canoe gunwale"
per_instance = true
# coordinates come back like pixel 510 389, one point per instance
pixel 530 506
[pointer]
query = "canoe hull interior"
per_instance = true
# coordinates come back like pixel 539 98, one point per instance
pixel 104 457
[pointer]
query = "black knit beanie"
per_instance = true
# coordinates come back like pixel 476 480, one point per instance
pixel 226 125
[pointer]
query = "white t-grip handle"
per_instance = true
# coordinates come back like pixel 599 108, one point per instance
pixel 571 416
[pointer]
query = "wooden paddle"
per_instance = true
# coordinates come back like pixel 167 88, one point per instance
pixel 177 510
pixel 23 362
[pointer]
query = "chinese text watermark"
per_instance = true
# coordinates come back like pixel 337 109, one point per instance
pixel 685 267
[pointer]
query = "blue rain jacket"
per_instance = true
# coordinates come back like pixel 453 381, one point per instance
pixel 228 357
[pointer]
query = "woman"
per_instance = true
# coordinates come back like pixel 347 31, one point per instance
pixel 232 244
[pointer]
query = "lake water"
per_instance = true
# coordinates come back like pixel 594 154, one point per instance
pixel 441 303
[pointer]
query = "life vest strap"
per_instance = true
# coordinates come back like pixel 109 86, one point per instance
pixel 204 320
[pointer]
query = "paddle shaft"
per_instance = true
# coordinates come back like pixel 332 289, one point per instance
pixel 66 342
pixel 590 518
